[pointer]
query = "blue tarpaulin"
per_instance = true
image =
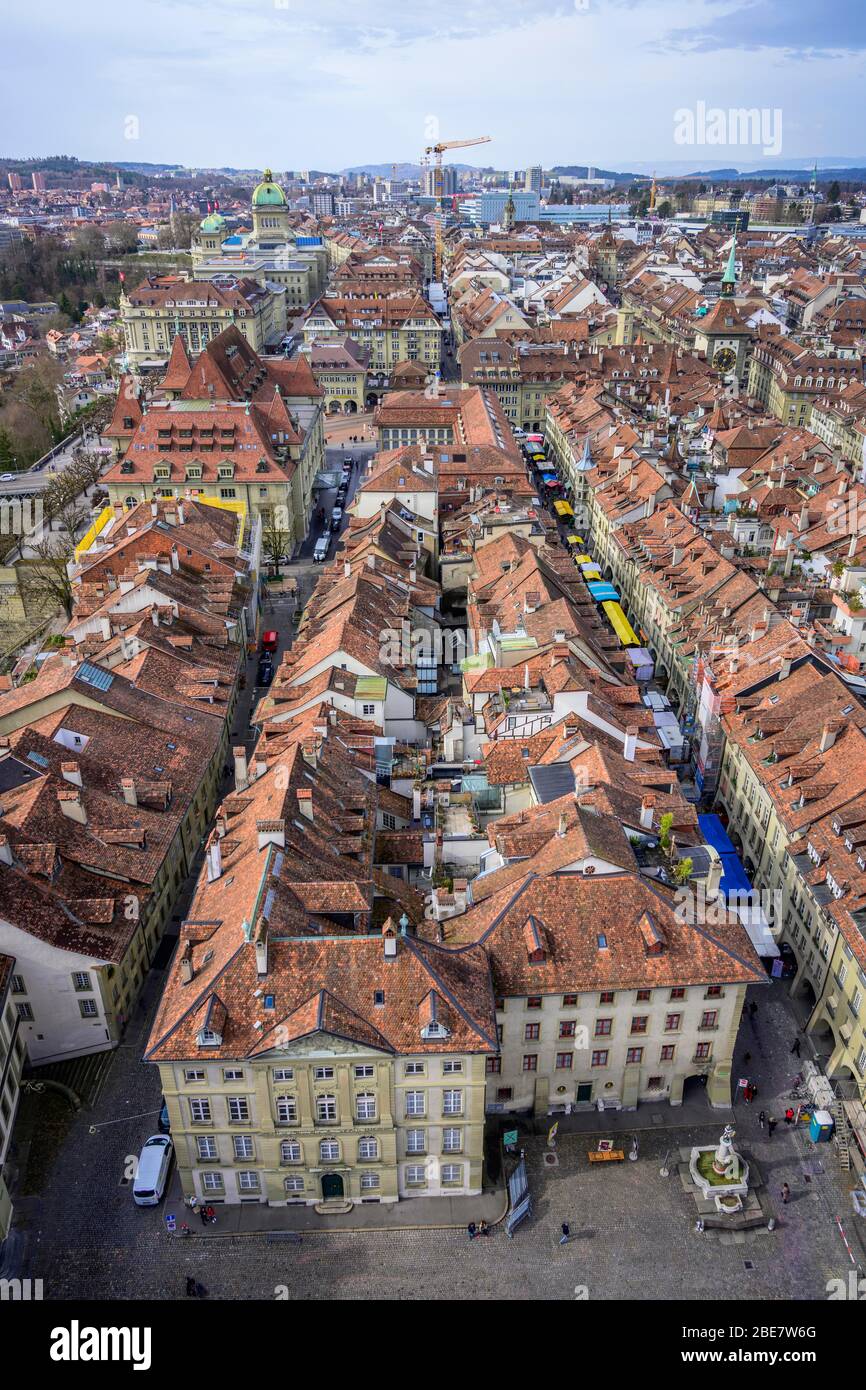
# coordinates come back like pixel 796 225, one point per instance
pixel 734 876
pixel 603 592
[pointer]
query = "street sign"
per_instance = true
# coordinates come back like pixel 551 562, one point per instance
pixel 509 1138
pixel 171 1223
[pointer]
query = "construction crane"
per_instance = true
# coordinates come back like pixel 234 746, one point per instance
pixel 437 151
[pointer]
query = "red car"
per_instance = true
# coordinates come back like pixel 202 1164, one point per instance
pixel 270 642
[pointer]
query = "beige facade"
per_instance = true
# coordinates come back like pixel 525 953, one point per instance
pixel 198 312
pixel 323 1119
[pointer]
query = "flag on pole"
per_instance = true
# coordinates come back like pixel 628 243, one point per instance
pixel 551 1137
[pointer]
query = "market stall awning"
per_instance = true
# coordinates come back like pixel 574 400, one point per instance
pixel 583 560
pixel 621 625
pixel 592 574
pixel 602 591
pixel 563 508
pixel 574 540
pixel 551 482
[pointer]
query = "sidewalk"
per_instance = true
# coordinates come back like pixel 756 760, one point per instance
pixel 416 1213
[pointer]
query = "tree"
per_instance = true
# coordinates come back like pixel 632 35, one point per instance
pixel 121 238
pixel 7 458
pixel 834 192
pixel 665 827
pixel 665 209
pixel 683 871
pixel 276 536
pixel 89 242
pixel 46 580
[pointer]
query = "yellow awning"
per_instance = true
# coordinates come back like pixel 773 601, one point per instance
pixel 592 574
pixel 620 624
pixel 575 540
pixel 583 559
pixel 563 508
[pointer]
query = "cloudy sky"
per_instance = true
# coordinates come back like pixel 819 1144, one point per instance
pixel 333 83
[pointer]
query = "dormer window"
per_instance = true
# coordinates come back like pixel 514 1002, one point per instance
pixel 434 1030
pixel 208 1038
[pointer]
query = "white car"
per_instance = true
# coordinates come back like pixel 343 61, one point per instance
pixel 151 1176
pixel 321 548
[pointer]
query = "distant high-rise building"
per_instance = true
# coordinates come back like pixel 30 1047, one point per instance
pixel 38 183
pixel 448 185
pixel 532 179
pixel 322 204
pixel 15 183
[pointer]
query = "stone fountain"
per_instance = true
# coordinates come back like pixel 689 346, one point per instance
pixel 721 1173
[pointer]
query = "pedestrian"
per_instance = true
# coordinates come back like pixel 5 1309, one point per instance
pixel 211 1215
pixel 747 1057
pixel 184 1229
pixel 202 1211
pixel 762 1119
pixel 472 1230
pixel 786 1194
pixel 747 1093
pixel 200 1290
pixel 771 1125
pixel 190 1286
pixel 789 1116
pixel 795 1047
pixel 753 1009
pixel 566 1232
pixel 483 1228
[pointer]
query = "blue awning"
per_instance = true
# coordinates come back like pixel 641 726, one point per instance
pixel 603 592
pixel 549 477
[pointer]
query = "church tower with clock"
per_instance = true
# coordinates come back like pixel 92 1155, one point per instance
pixel 723 335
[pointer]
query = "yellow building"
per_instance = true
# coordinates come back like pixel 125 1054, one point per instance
pixel 330 1070
pixel 163 307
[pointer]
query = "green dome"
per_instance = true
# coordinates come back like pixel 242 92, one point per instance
pixel 267 193
pixel 214 222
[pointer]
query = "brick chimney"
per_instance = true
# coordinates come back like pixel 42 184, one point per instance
pixel 629 747
pixel 714 878
pixel 71 804
pixel 214 857
pixel 127 786
pixel 71 773
pixel 647 806
pixel 832 727
pixel 186 970
pixel 242 779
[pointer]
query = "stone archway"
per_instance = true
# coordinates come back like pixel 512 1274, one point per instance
pixel 372 400
pixel 350 408
pixel 335 407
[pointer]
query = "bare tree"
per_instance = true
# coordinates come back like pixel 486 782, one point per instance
pixel 276 536
pixel 46 579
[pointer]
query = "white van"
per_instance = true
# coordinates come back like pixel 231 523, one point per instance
pixel 321 548
pixel 151 1177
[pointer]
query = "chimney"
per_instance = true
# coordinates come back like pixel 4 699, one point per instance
pixel 261 764
pixel 105 629
pixel 629 746
pixel 413 574
pixel 310 753
pixel 647 806
pixel 180 513
pixel 347 570
pixel 714 878
pixel 271 832
pixel 389 939
pixel 242 780
pixel 305 802
pixel 828 734
pixel 154 615
pixel 563 824
pixel 175 561
pixel 852 545
pixel 186 965
pixel 785 668
pixel 789 560
pixel 71 804
pixel 214 857
pixel 677 555
pixel 262 949
pixel 127 786
pixel 154 509
pixel 71 773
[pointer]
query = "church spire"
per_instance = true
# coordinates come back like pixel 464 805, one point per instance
pixel 729 279
pixel 509 215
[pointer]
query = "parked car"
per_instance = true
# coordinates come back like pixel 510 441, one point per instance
pixel 321 548
pixel 270 641
pixel 265 673
pixel 336 518
pixel 151 1176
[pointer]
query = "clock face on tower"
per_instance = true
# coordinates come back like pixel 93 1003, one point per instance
pixel 724 359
